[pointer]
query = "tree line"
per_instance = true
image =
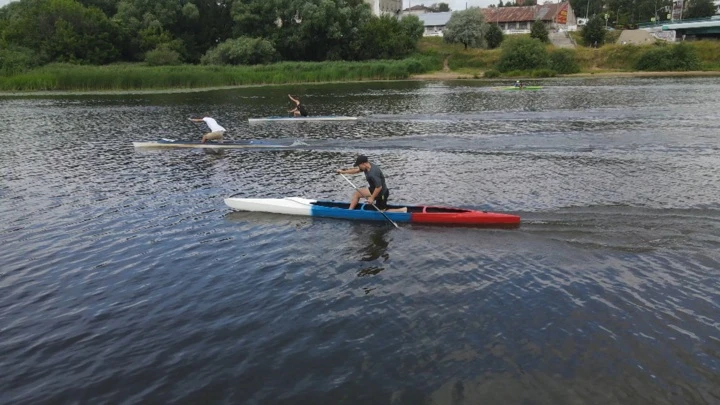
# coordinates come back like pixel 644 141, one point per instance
pixel 166 32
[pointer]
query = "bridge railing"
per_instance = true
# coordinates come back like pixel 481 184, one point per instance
pixel 666 22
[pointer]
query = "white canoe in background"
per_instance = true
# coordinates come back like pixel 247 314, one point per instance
pixel 298 119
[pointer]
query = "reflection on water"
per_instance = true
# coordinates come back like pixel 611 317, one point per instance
pixel 125 279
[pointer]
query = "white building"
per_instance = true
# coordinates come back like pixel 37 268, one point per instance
pixel 380 7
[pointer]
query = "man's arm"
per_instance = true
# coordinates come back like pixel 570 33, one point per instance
pixel 294 101
pixel 374 195
pixel 354 170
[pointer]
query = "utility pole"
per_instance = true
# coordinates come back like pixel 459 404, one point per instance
pixel 587 11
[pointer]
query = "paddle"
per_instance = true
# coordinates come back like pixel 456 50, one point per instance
pixel 196 126
pixel 373 204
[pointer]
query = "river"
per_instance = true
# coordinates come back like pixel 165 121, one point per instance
pixel 124 279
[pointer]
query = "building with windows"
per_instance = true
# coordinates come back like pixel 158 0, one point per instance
pixel 519 20
pixel 511 20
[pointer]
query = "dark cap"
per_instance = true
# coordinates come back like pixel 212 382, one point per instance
pixel 360 160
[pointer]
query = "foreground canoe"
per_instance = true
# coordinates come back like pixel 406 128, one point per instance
pixel 522 88
pixel 416 214
pixel 173 143
pixel 299 119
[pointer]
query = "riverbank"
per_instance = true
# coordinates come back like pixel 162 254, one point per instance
pixel 469 75
pixel 435 60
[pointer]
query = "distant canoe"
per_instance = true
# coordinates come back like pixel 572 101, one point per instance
pixel 297 119
pixel 522 88
pixel 247 144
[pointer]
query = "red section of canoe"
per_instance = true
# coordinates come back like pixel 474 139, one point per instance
pixel 456 216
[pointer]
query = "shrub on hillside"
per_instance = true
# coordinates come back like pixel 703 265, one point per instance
pixel 539 31
pixel 523 54
pixel 162 56
pixel 241 51
pixel 490 74
pixel 680 57
pixel 594 32
pixel 563 61
pixel 17 60
pixel 494 36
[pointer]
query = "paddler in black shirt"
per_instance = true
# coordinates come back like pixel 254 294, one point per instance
pixel 378 192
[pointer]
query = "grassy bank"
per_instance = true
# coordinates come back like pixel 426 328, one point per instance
pixel 63 77
pixel 608 58
pixel 465 63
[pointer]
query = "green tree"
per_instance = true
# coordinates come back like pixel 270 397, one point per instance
pixel 61 30
pixel 522 54
pixel 539 31
pixel 199 24
pixel 700 9
pixel 304 29
pixel 241 51
pixel 494 36
pixel 440 7
pixel 594 31
pixel 386 37
pixel 466 27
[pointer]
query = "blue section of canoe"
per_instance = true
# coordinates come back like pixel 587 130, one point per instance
pixel 365 212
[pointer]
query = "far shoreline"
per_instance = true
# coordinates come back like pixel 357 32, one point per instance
pixel 434 76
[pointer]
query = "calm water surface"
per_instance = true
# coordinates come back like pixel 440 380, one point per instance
pixel 124 279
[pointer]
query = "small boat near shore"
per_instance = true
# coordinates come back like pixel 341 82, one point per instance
pixel 302 119
pixel 245 144
pixel 416 214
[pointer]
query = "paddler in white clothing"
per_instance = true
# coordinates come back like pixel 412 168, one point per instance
pixel 216 131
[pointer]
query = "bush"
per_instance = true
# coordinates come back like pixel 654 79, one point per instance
pixel 494 36
pixel 563 61
pixel 669 58
pixel 594 31
pixel 523 54
pixel 539 31
pixel 490 74
pixel 162 56
pixel 17 60
pixel 240 51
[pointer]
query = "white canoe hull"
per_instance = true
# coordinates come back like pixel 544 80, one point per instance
pixel 288 206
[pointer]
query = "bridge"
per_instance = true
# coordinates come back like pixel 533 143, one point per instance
pixel 701 27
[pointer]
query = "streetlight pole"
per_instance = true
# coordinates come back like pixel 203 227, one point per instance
pixel 587 10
